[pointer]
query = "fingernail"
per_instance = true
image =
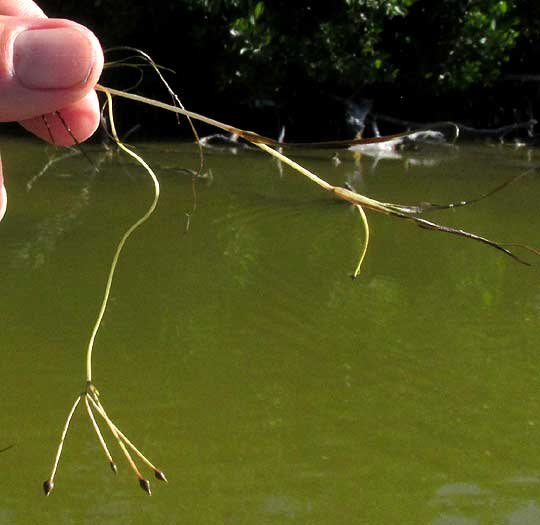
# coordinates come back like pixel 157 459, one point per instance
pixel 58 58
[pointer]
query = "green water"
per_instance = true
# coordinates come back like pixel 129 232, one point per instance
pixel 243 360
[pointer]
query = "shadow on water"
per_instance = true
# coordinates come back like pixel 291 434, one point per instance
pixel 271 387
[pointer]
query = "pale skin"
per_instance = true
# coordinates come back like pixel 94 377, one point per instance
pixel 47 65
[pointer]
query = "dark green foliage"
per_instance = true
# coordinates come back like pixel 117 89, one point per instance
pixel 268 54
pixel 326 43
pixel 350 43
pixel 468 44
pixel 356 43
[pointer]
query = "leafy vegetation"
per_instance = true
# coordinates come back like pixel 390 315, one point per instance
pixel 357 43
pixel 262 54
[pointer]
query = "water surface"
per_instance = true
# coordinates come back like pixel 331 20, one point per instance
pixel 241 357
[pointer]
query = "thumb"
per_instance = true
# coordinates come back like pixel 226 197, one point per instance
pixel 45 64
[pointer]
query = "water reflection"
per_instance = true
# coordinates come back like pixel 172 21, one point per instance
pixel 457 503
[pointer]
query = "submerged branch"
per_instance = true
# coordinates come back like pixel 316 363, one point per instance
pixel 428 206
pixel 428 225
pixel 499 132
pixel 255 138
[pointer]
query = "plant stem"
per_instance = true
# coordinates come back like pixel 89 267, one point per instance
pixel 123 240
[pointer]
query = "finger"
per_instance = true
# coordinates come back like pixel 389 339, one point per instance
pixel 3 195
pixel 15 8
pixel 20 8
pixel 77 121
pixel 45 64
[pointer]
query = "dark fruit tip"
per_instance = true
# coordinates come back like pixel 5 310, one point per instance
pixel 113 466
pixel 145 485
pixel 48 486
pixel 160 475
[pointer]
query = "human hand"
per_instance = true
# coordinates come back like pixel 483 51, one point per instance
pixel 47 65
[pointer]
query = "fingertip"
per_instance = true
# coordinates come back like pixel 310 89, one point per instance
pixel 45 64
pixel 3 194
pixel 77 121
pixel 56 55
pixel 3 201
pixel 99 59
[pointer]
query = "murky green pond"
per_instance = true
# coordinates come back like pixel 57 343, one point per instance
pixel 241 357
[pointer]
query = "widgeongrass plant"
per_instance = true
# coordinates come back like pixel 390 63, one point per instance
pixel 90 394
